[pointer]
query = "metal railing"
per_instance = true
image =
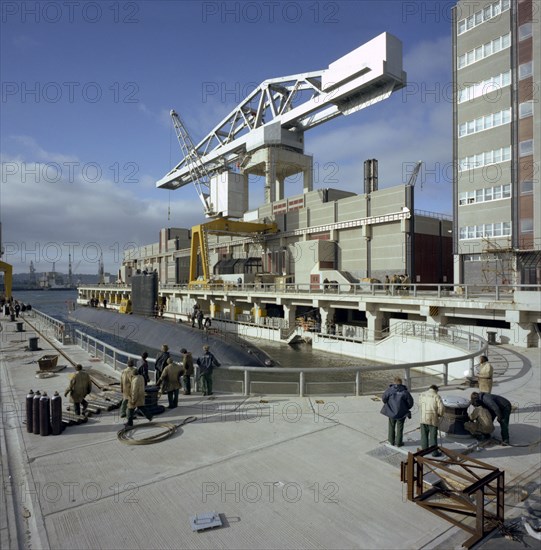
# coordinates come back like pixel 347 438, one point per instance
pixel 496 292
pixel 248 376
pixel 108 354
pixel 51 327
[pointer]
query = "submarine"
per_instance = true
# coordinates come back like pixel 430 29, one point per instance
pixel 152 333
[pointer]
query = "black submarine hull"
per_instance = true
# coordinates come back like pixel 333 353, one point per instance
pixel 152 333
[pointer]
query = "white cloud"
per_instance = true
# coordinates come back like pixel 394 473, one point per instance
pixel 48 213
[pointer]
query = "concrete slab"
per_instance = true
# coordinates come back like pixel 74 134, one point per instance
pixel 281 471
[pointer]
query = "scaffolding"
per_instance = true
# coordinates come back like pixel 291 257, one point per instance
pixel 498 263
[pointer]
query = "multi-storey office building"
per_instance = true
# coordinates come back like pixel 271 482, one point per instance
pixel 497 208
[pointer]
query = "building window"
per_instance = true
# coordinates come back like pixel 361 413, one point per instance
pixel 526 225
pixel 525 31
pixel 484 87
pixel 490 11
pixel 484 123
pixel 525 148
pixel 485 195
pixel 484 51
pixel 525 70
pixel 484 159
pixel 526 187
pixel 525 109
pixel 487 231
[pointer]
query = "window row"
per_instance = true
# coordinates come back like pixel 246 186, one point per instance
pixel 490 11
pixel 484 123
pixel 485 195
pixel 485 230
pixel 484 87
pixel 484 159
pixel 492 47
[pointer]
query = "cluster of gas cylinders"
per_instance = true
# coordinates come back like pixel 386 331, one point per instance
pixel 44 414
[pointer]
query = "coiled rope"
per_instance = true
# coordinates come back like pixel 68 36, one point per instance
pixel 169 429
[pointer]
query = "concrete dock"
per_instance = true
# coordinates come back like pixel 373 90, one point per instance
pixel 281 472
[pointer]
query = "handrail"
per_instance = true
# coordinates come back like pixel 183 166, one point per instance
pixel 115 354
pixel 90 343
pixel 497 292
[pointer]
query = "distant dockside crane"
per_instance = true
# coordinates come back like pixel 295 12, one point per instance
pixel 220 226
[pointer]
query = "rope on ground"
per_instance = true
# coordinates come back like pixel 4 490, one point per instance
pixel 169 430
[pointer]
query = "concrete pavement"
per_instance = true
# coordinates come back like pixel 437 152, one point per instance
pixel 282 472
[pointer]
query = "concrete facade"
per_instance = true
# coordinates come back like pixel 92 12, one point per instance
pixel 497 191
pixel 347 236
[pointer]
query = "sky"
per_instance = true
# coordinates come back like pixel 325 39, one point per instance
pixel 86 90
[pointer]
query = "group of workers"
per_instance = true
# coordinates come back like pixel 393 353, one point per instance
pixel 398 402
pixel 390 283
pixel 171 376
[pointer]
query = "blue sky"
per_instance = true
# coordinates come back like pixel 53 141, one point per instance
pixel 87 88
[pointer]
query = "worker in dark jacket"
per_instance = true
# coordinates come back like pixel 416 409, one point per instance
pixel 161 361
pixel 143 368
pixel 206 365
pixel 499 407
pixel 187 370
pixel 397 404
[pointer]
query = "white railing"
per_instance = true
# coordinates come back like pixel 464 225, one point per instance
pixel 497 292
pixel 247 376
pixel 108 354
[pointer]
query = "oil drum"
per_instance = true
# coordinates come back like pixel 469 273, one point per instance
pixel 35 412
pixel 44 415
pixel 455 415
pixel 29 411
pixel 56 414
pixel 151 395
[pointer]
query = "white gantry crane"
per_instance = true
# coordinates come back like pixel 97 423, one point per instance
pixel 264 134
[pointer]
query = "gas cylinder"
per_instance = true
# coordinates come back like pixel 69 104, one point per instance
pixel 29 402
pixel 56 414
pixel 44 415
pixel 35 412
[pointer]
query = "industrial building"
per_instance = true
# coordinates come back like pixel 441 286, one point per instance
pixel 497 190
pixel 323 235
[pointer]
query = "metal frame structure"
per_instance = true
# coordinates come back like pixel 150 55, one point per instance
pixel 219 226
pixel 456 488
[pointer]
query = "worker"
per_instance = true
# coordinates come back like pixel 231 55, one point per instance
pixel 161 361
pixel 480 424
pixel 79 387
pixel 397 404
pixel 136 399
pixel 498 407
pixel 187 370
pixel 125 385
pixel 206 365
pixel 485 374
pixel 431 413
pixel 170 382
